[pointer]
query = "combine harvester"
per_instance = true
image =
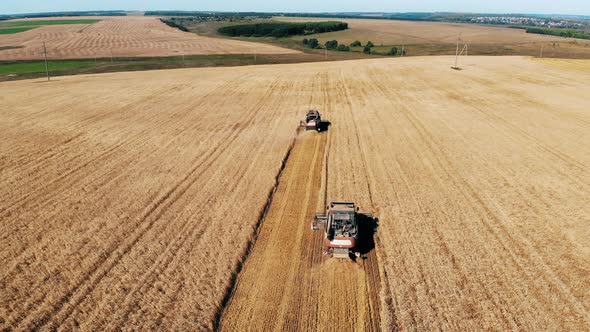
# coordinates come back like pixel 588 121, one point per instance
pixel 313 121
pixel 340 224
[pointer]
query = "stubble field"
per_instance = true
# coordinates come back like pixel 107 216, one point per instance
pixel 438 38
pixel 126 36
pixel 130 201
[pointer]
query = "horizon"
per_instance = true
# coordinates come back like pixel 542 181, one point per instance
pixel 292 12
pixel 525 7
pixel 289 12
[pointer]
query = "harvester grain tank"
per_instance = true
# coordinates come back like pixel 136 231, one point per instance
pixel 340 224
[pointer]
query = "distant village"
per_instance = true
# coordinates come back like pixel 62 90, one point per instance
pixel 528 21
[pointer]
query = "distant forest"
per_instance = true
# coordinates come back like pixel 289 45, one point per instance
pixel 173 24
pixel 281 29
pixel 569 33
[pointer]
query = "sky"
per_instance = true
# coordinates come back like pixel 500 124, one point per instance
pixel 576 7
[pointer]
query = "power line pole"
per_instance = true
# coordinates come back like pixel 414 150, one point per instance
pixel 457 54
pixel 326 53
pixel 456 67
pixel 403 50
pixel 46 65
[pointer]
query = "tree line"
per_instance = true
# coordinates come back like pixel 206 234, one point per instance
pixel 569 33
pixel 173 24
pixel 334 45
pixel 281 29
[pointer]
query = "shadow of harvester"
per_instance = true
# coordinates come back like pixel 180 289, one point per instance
pixel 367 225
pixel 324 125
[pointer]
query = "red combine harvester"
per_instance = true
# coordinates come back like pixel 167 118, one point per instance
pixel 313 121
pixel 340 224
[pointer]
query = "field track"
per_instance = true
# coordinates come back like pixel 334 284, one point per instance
pixel 287 277
pixel 129 200
pixel 127 36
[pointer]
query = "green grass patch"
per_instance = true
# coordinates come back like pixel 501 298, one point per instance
pixel 568 33
pixel 10 27
pixel 38 23
pixel 9 31
pixel 2 48
pixel 39 66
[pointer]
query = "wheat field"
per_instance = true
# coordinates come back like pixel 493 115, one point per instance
pixel 121 36
pixel 136 200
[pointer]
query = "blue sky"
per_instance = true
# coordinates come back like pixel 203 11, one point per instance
pixel 580 7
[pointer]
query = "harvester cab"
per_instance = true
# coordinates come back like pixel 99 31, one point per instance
pixel 313 121
pixel 340 226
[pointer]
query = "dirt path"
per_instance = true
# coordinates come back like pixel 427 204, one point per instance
pixel 286 275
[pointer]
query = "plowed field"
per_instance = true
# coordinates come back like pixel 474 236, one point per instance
pixel 127 36
pixel 133 200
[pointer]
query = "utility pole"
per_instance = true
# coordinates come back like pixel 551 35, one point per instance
pixel 111 56
pixel 456 67
pixel 457 54
pixel 326 53
pixel 403 50
pixel 46 65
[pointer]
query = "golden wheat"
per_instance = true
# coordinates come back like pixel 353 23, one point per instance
pixel 129 199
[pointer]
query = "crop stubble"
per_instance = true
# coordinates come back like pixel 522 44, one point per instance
pixel 133 211
pixel 437 38
pixel 121 37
